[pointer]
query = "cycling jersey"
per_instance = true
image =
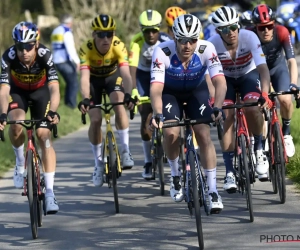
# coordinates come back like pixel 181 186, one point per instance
pixel 273 50
pixel 249 54
pixel 140 55
pixel 103 65
pixel 18 76
pixel 166 67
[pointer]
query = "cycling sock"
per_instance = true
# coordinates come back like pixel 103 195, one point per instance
pixel 124 139
pixel 19 152
pixel 97 151
pixel 228 161
pixel 258 142
pixel 175 171
pixel 286 126
pixel 211 180
pixel 147 151
pixel 49 181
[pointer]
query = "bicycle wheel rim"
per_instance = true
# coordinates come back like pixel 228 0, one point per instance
pixel 272 166
pixel 245 175
pixel 113 169
pixel 32 194
pixel 194 176
pixel 160 166
pixel 40 199
pixel 280 164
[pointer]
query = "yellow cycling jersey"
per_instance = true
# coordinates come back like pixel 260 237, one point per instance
pixel 103 65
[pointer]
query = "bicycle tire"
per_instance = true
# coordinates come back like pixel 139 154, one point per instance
pixel 113 168
pixel 272 167
pixel 243 162
pixel 280 163
pixel 32 194
pixel 194 176
pixel 160 166
pixel 41 198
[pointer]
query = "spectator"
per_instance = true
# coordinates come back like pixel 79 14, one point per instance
pixel 66 58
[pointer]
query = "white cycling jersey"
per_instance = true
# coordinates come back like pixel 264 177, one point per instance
pixel 166 67
pixel 249 54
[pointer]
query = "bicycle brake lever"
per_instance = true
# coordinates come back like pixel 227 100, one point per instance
pixel 2 135
pixel 267 114
pixel 83 120
pixel 55 131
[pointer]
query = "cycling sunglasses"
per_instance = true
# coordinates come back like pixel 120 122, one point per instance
pixel 186 40
pixel 26 46
pixel 104 34
pixel 148 31
pixel 226 30
pixel 263 27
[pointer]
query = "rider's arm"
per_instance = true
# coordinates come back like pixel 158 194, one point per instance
pixel 4 84
pixel 260 61
pixel 134 55
pixel 4 98
pixel 157 80
pixel 84 71
pixel 54 95
pixel 210 86
pixel 126 77
pixel 285 41
pixel 216 74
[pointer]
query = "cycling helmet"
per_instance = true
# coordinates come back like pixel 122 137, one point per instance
pixel 262 14
pixel 172 13
pixel 25 32
pixel 187 26
pixel 150 19
pixel 103 22
pixel 224 16
pixel 246 18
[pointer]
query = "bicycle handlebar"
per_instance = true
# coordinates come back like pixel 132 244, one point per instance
pixel 29 124
pixel 272 95
pixel 100 106
pixel 248 104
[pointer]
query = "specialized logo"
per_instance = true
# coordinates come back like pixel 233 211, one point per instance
pixel 214 58
pixel 168 107
pixel 189 139
pixel 156 64
pixel 188 20
pixel 202 108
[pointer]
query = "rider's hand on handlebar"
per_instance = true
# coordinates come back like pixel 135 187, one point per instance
pixel 265 101
pixel 3 120
pixel 156 121
pixel 294 87
pixel 217 114
pixel 53 117
pixel 129 101
pixel 84 105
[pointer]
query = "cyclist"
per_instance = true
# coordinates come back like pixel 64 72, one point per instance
pixel 141 49
pixel 170 15
pixel 279 52
pixel 104 60
pixel 28 75
pixel 177 71
pixel 246 71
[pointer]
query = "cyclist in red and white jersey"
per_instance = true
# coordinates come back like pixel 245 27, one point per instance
pixel 177 72
pixel 275 39
pixel 246 71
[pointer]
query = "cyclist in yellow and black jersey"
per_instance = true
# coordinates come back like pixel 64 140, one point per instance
pixel 104 66
pixel 141 49
pixel 28 75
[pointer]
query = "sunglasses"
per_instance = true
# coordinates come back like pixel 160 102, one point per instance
pixel 226 30
pixel 26 46
pixel 263 27
pixel 107 34
pixel 148 31
pixel 187 40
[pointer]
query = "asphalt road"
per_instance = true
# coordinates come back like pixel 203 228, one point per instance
pixel 87 219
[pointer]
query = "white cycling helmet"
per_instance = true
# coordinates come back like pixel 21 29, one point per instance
pixel 224 16
pixel 25 32
pixel 187 26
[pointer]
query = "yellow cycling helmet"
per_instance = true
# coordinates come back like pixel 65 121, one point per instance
pixel 172 13
pixel 103 22
pixel 150 19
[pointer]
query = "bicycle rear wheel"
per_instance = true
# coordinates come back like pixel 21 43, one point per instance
pixel 113 168
pixel 245 177
pixel 32 194
pixel 196 203
pixel 279 163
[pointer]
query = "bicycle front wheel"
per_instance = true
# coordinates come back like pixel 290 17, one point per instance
pixel 245 177
pixel 160 165
pixel 196 203
pixel 279 163
pixel 41 198
pixel 32 193
pixel 113 168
